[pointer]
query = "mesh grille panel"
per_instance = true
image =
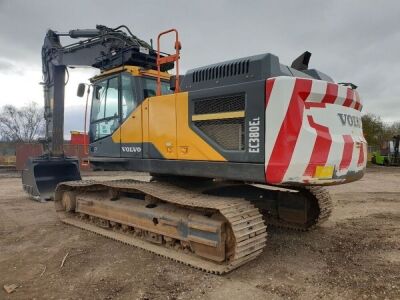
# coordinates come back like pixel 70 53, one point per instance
pixel 228 133
pixel 220 104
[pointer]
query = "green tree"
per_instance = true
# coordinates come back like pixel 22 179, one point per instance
pixel 374 129
pixel 394 128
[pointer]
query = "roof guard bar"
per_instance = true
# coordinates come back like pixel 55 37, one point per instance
pixel 168 59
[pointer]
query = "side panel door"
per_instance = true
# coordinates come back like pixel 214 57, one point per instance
pixel 162 127
pixel 159 120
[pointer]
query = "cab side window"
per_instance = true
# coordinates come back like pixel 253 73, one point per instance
pixel 111 105
pixel 150 87
pixel 129 101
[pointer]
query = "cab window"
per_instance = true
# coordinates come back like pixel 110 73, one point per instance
pixel 105 113
pixel 150 87
pixel 111 104
pixel 129 101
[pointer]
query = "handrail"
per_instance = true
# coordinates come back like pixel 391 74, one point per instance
pixel 167 59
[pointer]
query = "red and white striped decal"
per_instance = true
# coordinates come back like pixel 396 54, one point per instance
pixel 303 129
pixel 347 152
pixel 321 147
pixel 361 155
pixel 286 140
pixel 331 93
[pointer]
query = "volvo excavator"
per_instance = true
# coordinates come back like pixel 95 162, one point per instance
pixel 232 147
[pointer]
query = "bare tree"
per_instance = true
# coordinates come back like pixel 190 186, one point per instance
pixel 23 124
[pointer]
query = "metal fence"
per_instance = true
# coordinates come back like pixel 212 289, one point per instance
pixel 26 150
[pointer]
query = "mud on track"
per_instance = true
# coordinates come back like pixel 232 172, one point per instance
pixel 356 254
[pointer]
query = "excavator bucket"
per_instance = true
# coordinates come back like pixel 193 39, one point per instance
pixel 42 175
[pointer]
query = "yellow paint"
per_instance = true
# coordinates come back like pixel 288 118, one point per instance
pixel 219 116
pixel 145 119
pixel 135 71
pixel 153 73
pixel 162 124
pixel 324 172
pixel 109 72
pixel 190 145
pixel 131 129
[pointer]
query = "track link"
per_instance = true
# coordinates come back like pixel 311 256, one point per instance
pixel 324 206
pixel 243 218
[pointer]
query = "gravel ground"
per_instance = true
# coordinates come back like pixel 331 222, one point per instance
pixel 354 255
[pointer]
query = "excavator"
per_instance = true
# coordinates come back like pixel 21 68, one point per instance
pixel 232 147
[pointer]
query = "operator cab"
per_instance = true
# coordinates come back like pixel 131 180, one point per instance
pixel 115 96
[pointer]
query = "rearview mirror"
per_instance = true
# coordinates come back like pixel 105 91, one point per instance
pixel 81 90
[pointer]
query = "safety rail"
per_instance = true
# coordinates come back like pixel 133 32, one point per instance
pixel 168 59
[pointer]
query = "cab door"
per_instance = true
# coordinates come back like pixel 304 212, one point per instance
pixel 131 134
pixel 105 118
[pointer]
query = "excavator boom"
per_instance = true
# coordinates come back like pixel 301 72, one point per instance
pixel 103 48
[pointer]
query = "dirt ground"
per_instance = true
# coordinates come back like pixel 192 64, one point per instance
pixel 354 255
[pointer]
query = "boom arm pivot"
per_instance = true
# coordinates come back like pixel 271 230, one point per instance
pixel 102 48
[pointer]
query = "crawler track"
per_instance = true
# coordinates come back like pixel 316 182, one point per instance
pixel 292 208
pixel 323 209
pixel 246 229
pixel 244 219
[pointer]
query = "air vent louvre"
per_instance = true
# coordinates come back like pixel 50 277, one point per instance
pixel 221 71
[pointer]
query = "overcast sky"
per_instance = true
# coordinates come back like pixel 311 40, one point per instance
pixel 352 41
